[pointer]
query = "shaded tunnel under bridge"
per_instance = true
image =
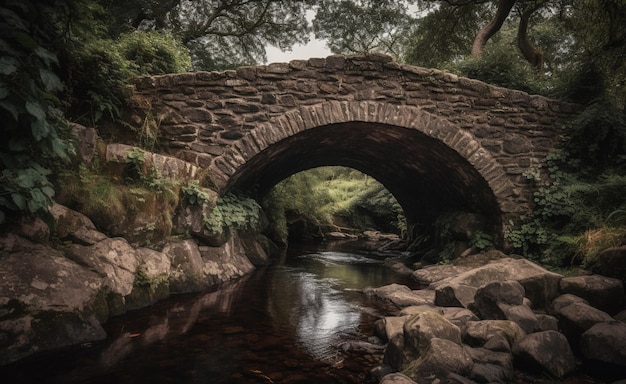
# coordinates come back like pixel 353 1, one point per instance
pixel 436 141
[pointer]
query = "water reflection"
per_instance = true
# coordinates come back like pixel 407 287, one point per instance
pixel 286 322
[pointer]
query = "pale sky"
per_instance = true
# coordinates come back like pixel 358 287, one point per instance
pixel 315 48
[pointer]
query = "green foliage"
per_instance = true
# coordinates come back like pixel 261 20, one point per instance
pixel 233 212
pixel 153 53
pixel 35 137
pixel 193 194
pixel 325 195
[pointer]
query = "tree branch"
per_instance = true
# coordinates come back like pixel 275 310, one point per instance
pixel 504 8
pixel 532 54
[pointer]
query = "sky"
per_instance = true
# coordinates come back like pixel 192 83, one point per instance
pixel 315 48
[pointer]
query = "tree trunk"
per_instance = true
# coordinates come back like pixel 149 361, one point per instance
pixel 532 54
pixel 504 8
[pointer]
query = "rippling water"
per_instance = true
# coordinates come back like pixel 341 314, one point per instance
pixel 282 324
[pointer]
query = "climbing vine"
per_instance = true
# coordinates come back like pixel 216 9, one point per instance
pixel 233 212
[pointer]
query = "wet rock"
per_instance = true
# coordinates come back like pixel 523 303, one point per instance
pixel 401 295
pixel 392 326
pixel 546 351
pixel 480 332
pixel 604 293
pixel 442 358
pixel 224 263
pixel 491 367
pixel 606 343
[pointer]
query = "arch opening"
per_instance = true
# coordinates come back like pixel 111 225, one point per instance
pixel 427 177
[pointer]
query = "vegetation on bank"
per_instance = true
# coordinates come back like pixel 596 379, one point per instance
pixel 74 60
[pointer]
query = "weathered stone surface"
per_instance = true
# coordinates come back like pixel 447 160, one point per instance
pixel 439 360
pixel 479 332
pixel 578 317
pixel 433 273
pixel 489 298
pixel 74 226
pixel 187 266
pixel 606 343
pixel 392 326
pixel 546 351
pixel 491 367
pixel 34 229
pixel 224 263
pixel 540 285
pixel 112 258
pixel 45 300
pixel 86 139
pixel 457 316
pixel 396 378
pixel 610 262
pixel 602 292
pixel 401 295
pixel 565 300
pixel 420 329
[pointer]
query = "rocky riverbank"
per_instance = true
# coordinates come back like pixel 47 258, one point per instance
pixel 486 317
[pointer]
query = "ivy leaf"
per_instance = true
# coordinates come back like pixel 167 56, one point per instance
pixel 8 65
pixel 19 200
pixel 35 110
pixel 10 108
pixel 50 80
pixel 46 56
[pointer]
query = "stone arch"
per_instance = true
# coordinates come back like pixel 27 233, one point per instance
pixel 225 167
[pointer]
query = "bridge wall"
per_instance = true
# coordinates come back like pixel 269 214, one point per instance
pixel 222 120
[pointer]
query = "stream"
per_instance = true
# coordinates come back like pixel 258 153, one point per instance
pixel 296 321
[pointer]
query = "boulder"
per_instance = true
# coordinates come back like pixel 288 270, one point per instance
pixel 546 351
pixel 611 262
pixel 540 285
pixel 490 366
pixel 443 357
pixel 396 355
pixel 46 301
pixel 480 332
pixel 396 378
pixel 457 316
pixel 186 266
pixel 563 301
pixel 577 318
pixel 420 329
pixel 401 295
pixel 34 229
pixel 112 258
pixel 221 264
pixel 503 300
pixel 74 226
pixel 433 273
pixel 605 343
pixel 392 326
pixel 604 293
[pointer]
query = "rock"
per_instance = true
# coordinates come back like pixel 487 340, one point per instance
pixel 479 332
pixel 186 266
pixel 491 367
pixel 433 273
pixel 606 343
pixel 401 295
pixel 396 355
pixel 604 293
pixel 502 300
pixel 611 262
pixel 540 285
pixel 578 317
pixel 86 140
pixel 221 264
pixel 457 316
pixel 548 322
pixel 113 259
pixel 74 226
pixel 546 351
pixel 153 263
pixel 420 329
pixel 34 229
pixel 392 326
pixel 254 251
pixel 46 301
pixel 438 361
pixel 396 378
pixel 565 300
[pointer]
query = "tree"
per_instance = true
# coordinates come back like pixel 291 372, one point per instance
pixel 362 26
pixel 218 33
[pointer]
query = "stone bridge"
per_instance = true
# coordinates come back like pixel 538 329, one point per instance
pixel 436 141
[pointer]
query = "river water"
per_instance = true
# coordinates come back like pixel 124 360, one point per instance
pixel 292 322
